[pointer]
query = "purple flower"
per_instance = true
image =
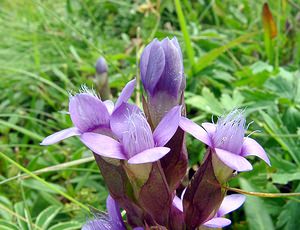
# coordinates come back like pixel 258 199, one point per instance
pixel 161 68
pixel 227 140
pixel 113 220
pixel 101 66
pixel 229 204
pixel 110 221
pixel 89 114
pixel 135 140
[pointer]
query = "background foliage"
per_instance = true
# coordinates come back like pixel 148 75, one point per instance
pixel 50 47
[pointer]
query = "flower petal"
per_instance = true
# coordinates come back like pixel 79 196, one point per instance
pixel 61 135
pixel 126 93
pixel 167 126
pixel 88 112
pixel 195 130
pixel 252 148
pixel 102 145
pixel 177 202
pixel 109 106
pixel 233 161
pixel 217 222
pixel 129 124
pixel 172 76
pixel 149 155
pixel 209 127
pixel 114 213
pixel 231 203
pixel 152 65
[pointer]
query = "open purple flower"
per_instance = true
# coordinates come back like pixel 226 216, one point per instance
pixel 110 221
pixel 136 142
pixel 113 220
pixel 227 140
pixel 229 204
pixel 89 114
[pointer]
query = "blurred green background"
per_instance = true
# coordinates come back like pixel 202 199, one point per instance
pixel 232 57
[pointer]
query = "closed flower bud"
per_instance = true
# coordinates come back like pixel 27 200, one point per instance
pixel 101 66
pixel 162 76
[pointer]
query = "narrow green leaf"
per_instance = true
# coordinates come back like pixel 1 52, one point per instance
pixel 71 225
pixel 46 216
pixel 45 182
pixel 20 210
pixel 186 36
pixel 212 55
pixel 6 225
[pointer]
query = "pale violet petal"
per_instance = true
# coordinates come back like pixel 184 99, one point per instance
pixel 195 130
pixel 88 112
pixel 114 213
pixel 177 202
pixel 234 161
pixel 167 126
pixel 126 93
pixel 209 127
pixel 231 203
pixel 61 135
pixel 252 148
pixel 109 106
pixel 103 145
pixel 217 222
pixel 149 155
pixel 130 125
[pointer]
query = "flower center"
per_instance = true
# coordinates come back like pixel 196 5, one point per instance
pixel 230 132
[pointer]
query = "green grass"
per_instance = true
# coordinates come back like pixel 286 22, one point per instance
pixel 48 48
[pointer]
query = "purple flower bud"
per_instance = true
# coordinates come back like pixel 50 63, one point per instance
pixel 162 75
pixel 101 66
pixel 162 69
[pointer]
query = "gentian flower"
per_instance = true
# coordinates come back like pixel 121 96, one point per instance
pixel 226 140
pixel 162 75
pixel 112 220
pixel 89 114
pixel 135 140
pixel 229 204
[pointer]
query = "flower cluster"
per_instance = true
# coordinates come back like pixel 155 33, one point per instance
pixel 142 155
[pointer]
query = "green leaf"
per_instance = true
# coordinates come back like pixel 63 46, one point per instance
pixel 275 127
pixel 212 55
pixel 46 216
pixel 289 217
pixel 256 212
pixel 34 184
pixel 70 225
pixel 284 178
pixel 7 203
pixel 20 210
pixel 6 225
pixel 206 102
pixel 291 119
